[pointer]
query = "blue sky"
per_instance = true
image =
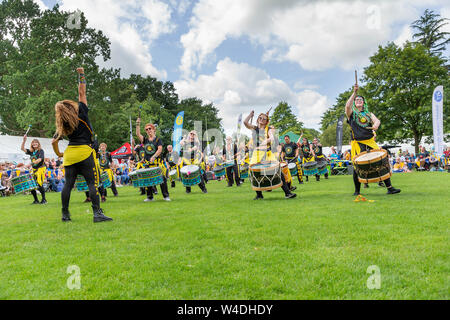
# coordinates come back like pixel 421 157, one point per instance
pixel 245 55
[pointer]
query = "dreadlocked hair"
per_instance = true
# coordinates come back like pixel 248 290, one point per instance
pixel 66 114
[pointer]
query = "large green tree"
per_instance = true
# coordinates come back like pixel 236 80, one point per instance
pixel 284 119
pixel 38 62
pixel 428 31
pixel 399 83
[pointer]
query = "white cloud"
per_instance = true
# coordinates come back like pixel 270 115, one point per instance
pixel 131 27
pixel 236 88
pixel 317 35
pixel 405 35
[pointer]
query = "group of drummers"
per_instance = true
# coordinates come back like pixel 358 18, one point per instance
pixel 87 164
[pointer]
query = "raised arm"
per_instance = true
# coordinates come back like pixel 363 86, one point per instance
pixel 247 121
pixel 349 104
pixel 81 86
pixel 138 130
pixel 22 147
pixel 375 121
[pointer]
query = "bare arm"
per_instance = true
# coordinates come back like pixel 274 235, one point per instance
pixel 247 121
pixel 22 147
pixel 349 104
pixel 138 130
pixel 82 86
pixel 375 121
pixel 312 151
pixel 56 147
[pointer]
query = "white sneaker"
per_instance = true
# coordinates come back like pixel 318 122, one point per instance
pixel 167 199
pixel 148 200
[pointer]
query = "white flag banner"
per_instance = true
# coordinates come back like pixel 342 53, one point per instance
pixel 438 122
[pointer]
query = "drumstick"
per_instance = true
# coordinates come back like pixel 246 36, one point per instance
pixel 356 77
pixel 29 127
pixel 140 108
pixel 269 111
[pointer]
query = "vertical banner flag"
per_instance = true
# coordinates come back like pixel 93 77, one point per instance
pixel 438 132
pixel 339 133
pixel 131 133
pixel 177 131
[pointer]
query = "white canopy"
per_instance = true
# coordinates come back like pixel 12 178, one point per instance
pixel 10 148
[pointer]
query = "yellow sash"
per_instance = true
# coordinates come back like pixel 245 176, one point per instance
pixel 261 155
pixel 75 154
pixel 39 175
pixel 356 149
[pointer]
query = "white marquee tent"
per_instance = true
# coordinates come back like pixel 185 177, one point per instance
pixel 10 148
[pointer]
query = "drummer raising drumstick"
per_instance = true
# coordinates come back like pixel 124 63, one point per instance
pixel 363 126
pixel 262 139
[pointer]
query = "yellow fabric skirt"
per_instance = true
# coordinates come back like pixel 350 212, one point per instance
pixel 262 155
pixel 75 154
pixel 356 149
pixel 39 175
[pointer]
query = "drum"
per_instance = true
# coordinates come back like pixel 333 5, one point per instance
pixel 173 175
pixel 210 175
pixel 149 177
pixel 190 175
pixel 310 168
pixel 81 184
pixel 219 171
pixel 372 166
pixel 265 176
pixel 243 171
pixel 228 164
pixel 134 179
pixel 286 173
pixel 24 182
pixel 322 166
pixel 104 179
pixel 293 169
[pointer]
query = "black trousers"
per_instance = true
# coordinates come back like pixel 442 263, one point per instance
pixel 163 187
pixel 233 175
pixel 284 186
pixel 356 182
pixel 41 190
pixel 89 171
pixel 104 192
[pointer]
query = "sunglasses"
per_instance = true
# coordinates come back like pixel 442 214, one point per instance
pixel 148 129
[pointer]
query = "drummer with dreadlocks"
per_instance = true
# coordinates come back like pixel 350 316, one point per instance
pixel 262 140
pixel 363 126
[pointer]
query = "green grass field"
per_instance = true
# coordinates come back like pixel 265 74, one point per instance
pixel 224 245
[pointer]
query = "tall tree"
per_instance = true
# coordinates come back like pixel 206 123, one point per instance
pixel 399 86
pixel 428 31
pixel 38 62
pixel 284 119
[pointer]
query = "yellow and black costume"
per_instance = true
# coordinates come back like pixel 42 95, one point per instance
pixel 192 157
pixel 230 151
pixel 150 149
pixel 319 157
pixel 172 164
pixel 289 150
pixel 38 173
pixel 79 158
pixel 363 139
pixel 105 161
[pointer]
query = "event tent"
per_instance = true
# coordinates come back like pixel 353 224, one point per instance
pixel 10 148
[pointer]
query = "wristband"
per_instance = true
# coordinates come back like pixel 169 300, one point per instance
pixel 81 78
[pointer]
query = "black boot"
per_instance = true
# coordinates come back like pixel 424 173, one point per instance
pixel 100 217
pixel 65 216
pixel 317 177
pixel 392 190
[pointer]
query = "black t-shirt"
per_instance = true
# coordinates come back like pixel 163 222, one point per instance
pixel 105 160
pixel 194 153
pixel 150 147
pixel 172 158
pixel 82 134
pixel 230 153
pixel 37 154
pixel 289 150
pixel 317 150
pixel 258 136
pixel 306 151
pixel 140 153
pixel 358 132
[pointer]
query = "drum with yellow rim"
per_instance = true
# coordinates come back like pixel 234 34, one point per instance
pixel 265 176
pixel 286 173
pixel 372 166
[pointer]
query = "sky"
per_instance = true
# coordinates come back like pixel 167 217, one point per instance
pixel 252 54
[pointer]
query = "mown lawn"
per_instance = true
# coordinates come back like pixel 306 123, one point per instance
pixel 224 245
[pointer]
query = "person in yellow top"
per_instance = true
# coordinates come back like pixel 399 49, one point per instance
pixel 262 140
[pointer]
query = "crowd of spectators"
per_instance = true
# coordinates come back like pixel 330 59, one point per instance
pixel 54 178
